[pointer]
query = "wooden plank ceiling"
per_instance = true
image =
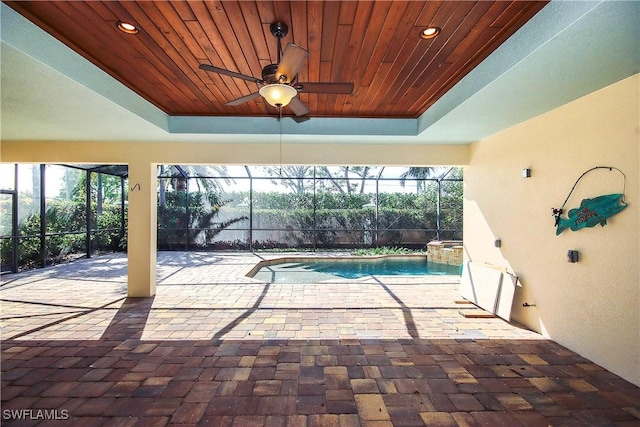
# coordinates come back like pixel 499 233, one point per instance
pixel 374 44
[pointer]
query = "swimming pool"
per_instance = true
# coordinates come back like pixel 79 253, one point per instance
pixel 315 270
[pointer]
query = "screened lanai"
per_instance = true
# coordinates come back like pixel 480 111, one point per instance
pixel 47 217
pixel 307 207
pixel 54 213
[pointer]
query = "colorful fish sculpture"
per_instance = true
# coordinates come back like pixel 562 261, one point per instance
pixel 591 212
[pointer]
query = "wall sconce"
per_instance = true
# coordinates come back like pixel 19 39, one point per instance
pixel 573 256
pixel 526 173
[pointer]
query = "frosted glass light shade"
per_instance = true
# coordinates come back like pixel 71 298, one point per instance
pixel 278 95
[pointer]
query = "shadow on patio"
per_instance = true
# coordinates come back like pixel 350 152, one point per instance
pixel 376 352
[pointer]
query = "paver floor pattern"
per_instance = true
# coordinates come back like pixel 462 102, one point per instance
pixel 214 347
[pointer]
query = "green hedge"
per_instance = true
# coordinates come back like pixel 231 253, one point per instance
pixel 338 217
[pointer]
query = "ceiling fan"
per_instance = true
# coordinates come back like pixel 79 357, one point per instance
pixel 279 81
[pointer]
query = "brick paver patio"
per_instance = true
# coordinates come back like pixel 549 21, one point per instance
pixel 214 347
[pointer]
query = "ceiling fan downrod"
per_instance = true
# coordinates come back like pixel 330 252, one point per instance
pixel 279 30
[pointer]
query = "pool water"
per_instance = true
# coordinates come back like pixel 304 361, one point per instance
pixel 310 271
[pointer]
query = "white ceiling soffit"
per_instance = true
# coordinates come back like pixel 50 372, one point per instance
pixel 567 50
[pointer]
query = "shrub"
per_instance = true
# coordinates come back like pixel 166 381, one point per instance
pixel 385 250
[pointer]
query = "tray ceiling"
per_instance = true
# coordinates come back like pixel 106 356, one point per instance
pixel 375 45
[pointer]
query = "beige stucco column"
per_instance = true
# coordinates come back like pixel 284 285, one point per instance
pixel 142 229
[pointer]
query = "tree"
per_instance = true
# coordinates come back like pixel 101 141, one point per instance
pixel 191 217
pixel 177 177
pixel 420 174
pixel 298 179
pixel 344 179
pixel 347 183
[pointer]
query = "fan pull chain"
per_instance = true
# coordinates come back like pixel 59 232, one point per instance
pixel 280 147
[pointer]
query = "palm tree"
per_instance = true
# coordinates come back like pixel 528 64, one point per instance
pixel 419 174
pixel 188 216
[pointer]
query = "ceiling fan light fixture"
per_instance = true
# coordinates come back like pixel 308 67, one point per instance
pixel 278 95
pixel 430 32
pixel 127 27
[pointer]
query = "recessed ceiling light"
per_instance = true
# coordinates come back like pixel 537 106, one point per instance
pixel 126 27
pixel 429 32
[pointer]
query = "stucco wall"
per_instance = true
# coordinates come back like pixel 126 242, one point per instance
pixel 593 306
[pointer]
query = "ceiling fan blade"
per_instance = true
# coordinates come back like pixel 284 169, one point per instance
pixel 298 107
pixel 244 99
pixel 292 59
pixel 213 69
pixel 318 87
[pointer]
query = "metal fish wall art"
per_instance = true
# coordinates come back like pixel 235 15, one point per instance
pixel 591 212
